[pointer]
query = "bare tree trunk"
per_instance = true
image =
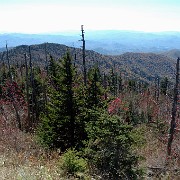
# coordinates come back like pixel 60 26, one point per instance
pixel 158 86
pixel 46 59
pixel 9 67
pixel 27 91
pixel 17 115
pixel 75 60
pixel 174 110
pixel 3 66
pixel 32 85
pixel 84 56
pixel 14 105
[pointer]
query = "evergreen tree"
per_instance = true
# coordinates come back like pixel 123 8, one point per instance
pixel 113 82
pixel 120 85
pixel 164 85
pixel 132 85
pixel 38 99
pixel 94 89
pixel 109 148
pixel 60 125
pixel 53 70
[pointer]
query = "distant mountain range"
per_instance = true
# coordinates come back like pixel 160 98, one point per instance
pixel 104 42
pixel 139 66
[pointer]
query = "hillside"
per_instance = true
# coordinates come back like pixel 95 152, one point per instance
pixel 174 53
pixel 143 66
pixel 131 126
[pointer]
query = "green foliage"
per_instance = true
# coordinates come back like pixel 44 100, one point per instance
pixel 3 75
pixel 164 85
pixel 54 129
pixel 45 132
pixel 113 82
pixel 110 146
pixel 94 89
pixel 132 85
pixel 133 115
pixel 120 86
pixel 13 72
pixel 73 164
pixel 60 125
pixel 53 69
pixel 162 127
pixel 37 95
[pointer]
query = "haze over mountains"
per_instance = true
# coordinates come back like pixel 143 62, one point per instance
pixel 111 42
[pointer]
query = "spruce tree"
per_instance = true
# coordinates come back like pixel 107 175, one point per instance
pixel 38 99
pixel 59 127
pixel 113 82
pixel 94 89
pixel 164 86
pixel 110 149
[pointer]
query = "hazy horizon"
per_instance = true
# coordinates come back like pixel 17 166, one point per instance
pixel 55 16
pixel 78 32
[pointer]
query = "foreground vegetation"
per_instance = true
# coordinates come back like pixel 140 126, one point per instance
pixel 22 158
pixel 57 127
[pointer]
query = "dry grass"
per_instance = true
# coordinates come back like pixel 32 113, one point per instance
pixel 22 158
pixel 12 167
pixel 28 163
pixel 156 163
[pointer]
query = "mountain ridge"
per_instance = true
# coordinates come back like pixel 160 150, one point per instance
pixel 141 66
pixel 174 53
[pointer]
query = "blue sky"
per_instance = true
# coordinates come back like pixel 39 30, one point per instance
pixel 47 16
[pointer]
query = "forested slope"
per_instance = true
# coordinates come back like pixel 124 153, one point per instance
pixel 140 66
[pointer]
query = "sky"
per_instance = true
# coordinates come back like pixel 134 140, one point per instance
pixel 53 16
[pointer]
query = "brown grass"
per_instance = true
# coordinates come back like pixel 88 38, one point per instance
pixel 22 158
pixel 157 163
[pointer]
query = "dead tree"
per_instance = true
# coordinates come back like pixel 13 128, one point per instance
pixel 74 54
pixel 84 56
pixel 46 58
pixel 32 85
pixel 18 119
pixel 75 58
pixel 3 67
pixel 158 86
pixel 7 57
pixel 27 90
pixel 174 110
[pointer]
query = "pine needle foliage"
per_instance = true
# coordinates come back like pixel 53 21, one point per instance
pixel 59 125
pixel 109 148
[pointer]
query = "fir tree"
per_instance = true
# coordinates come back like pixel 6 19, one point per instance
pixel 94 89
pixel 110 146
pixel 164 86
pixel 113 82
pixel 60 125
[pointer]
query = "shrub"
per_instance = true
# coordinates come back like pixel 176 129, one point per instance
pixel 72 163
